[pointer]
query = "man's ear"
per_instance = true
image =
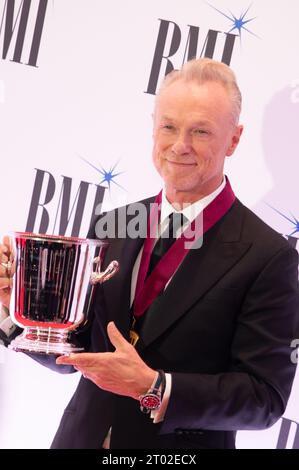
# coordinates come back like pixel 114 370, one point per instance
pixel 234 140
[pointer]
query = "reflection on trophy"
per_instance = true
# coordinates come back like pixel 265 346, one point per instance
pixel 54 285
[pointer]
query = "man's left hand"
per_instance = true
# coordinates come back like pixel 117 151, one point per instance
pixel 122 372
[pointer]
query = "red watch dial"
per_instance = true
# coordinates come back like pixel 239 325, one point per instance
pixel 150 401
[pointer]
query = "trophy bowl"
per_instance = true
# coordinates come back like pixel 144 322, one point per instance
pixel 54 284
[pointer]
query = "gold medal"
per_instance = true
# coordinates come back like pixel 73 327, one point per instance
pixel 134 336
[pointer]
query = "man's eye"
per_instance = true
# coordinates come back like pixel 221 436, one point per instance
pixel 200 131
pixel 168 127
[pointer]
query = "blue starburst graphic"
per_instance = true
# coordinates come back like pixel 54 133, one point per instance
pixel 107 176
pixel 294 221
pixel 237 23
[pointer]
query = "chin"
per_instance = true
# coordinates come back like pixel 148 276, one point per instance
pixel 184 183
pixel 180 187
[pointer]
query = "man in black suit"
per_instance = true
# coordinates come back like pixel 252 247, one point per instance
pixel 187 345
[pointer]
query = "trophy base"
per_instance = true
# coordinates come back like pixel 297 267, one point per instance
pixel 44 341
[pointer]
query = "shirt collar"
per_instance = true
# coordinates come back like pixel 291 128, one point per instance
pixel 191 211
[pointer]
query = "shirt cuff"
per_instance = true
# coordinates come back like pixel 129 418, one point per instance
pixel 7 327
pixel 158 415
pixel 4 313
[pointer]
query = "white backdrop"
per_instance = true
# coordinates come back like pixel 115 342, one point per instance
pixel 84 101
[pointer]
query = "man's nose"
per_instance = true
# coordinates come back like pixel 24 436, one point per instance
pixel 182 144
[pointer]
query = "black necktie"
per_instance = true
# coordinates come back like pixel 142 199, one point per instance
pixel 167 238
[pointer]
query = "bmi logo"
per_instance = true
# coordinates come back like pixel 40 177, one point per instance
pixel 177 44
pixel 57 197
pixel 21 28
pixel 295 227
pixel 170 33
pixel 289 431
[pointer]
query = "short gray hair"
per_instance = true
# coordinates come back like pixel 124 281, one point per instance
pixel 208 70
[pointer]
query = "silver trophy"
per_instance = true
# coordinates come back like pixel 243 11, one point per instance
pixel 54 284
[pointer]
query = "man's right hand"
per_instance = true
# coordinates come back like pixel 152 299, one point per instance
pixel 6 255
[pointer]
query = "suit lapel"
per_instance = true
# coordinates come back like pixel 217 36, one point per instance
pixel 202 268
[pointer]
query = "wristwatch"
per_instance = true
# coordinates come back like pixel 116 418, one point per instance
pixel 152 399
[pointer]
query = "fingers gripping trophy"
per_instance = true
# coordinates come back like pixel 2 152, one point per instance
pixel 7 266
pixel 47 285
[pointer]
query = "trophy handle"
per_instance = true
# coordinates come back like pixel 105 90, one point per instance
pixel 98 277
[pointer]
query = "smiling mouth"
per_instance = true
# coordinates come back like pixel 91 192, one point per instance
pixel 181 163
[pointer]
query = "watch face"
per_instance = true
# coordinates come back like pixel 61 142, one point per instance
pixel 150 401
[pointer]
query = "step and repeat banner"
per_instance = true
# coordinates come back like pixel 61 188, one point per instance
pixel 77 86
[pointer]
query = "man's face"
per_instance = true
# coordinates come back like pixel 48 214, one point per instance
pixel 193 133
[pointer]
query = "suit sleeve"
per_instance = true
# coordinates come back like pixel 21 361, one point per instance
pixel 253 394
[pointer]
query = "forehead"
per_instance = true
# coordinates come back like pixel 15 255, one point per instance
pixel 188 99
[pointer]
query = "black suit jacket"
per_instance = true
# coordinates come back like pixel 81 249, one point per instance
pixel 222 328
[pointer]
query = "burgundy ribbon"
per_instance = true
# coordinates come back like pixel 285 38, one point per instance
pixel 147 289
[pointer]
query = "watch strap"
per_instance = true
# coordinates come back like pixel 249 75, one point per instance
pixel 152 399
